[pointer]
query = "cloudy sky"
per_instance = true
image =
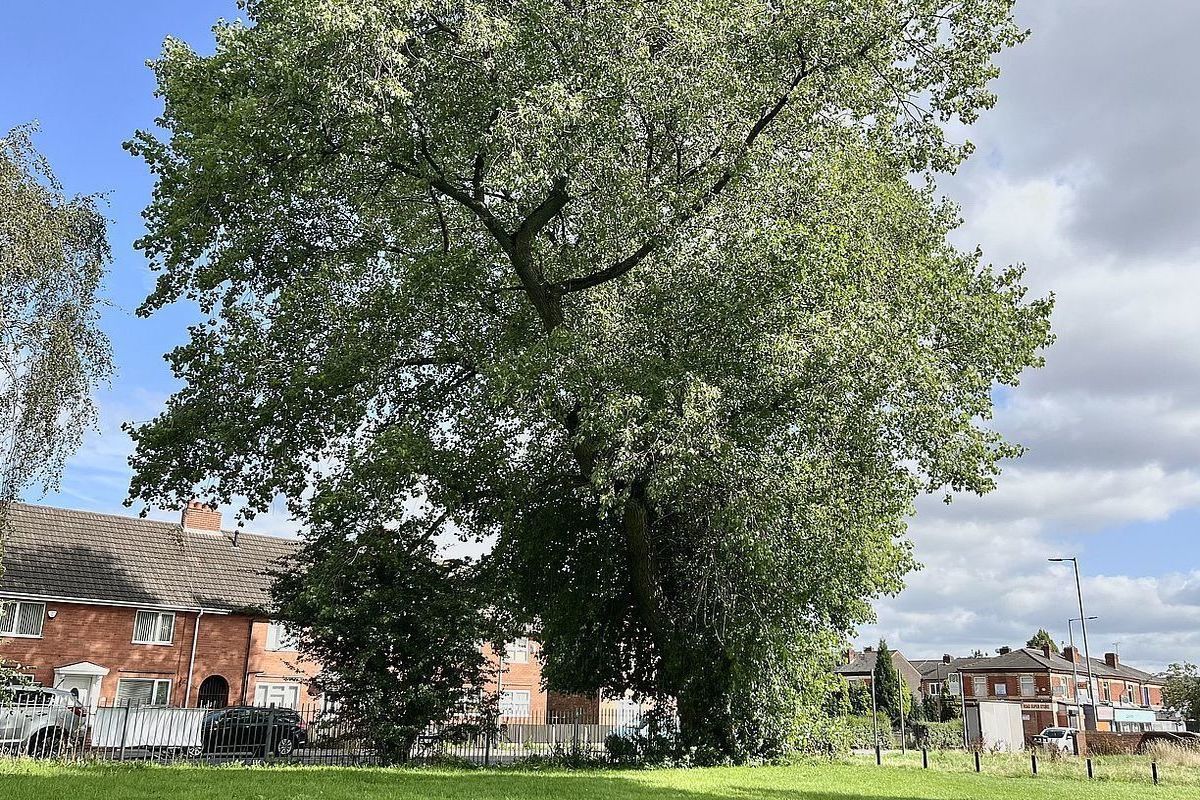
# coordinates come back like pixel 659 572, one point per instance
pixel 1087 171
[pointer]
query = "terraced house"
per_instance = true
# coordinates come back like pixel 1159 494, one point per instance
pixel 126 610
pixel 135 611
pixel 1040 680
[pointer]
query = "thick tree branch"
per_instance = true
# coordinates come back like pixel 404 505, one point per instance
pixel 705 198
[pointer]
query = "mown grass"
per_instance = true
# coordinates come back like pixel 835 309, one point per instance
pixel 29 780
pixel 1176 767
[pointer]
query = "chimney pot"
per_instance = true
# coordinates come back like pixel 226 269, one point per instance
pixel 198 516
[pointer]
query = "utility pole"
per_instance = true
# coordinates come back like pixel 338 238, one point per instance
pixel 1083 618
pixel 1075 668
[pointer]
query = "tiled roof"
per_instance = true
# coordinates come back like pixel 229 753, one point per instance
pixel 1028 658
pixel 101 557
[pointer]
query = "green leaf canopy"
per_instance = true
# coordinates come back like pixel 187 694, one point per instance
pixel 646 291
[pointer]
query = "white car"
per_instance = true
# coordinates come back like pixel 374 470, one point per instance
pixel 40 721
pixel 1062 739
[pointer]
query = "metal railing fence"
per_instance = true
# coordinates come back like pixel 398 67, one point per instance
pixel 308 735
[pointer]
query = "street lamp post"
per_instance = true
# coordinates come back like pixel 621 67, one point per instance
pixel 1075 668
pixel 1083 617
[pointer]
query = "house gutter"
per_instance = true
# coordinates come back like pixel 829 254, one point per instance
pixel 192 661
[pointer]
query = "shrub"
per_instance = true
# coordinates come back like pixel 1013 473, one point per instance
pixel 822 735
pixel 860 732
pixel 939 735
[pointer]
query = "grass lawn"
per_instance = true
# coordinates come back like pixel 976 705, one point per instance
pixel 29 780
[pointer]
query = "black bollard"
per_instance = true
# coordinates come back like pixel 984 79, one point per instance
pixel 878 756
pixel 925 757
pixel 1033 760
pixel 1089 763
pixel 1154 772
pixel 977 761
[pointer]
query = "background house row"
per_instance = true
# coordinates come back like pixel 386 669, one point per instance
pixel 1040 681
pixel 134 611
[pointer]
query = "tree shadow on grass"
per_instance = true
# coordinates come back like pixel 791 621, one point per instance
pixel 112 781
pixel 105 782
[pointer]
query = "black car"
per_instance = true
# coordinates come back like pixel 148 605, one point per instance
pixel 254 730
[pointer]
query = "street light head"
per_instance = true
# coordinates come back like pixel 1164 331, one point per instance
pixel 1072 558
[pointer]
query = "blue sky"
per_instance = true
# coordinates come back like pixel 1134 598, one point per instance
pixel 1085 172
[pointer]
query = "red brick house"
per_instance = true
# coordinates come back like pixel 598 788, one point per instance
pixel 129 610
pixel 1040 681
pixel 861 667
pixel 134 610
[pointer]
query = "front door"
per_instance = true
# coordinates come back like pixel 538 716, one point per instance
pixel 83 685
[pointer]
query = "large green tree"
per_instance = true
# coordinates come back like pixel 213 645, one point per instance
pixel 1181 692
pixel 659 295
pixel 1042 639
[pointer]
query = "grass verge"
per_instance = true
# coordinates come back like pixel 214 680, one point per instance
pixel 30 780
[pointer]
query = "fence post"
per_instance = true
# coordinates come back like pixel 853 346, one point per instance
pixel 1089 766
pixel 1154 772
pixel 124 731
pixel 575 732
pixel 270 745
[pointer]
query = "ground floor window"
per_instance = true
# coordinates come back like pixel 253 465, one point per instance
pixel 143 692
pixel 280 695
pixel 514 703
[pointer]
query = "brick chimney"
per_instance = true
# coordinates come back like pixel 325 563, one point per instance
pixel 1004 651
pixel 946 658
pixel 1071 654
pixel 1046 651
pixel 1112 659
pixel 199 516
pixel 850 655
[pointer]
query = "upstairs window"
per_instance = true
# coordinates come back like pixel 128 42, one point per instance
pixel 1001 689
pixel 979 686
pixel 1028 687
pixel 22 618
pixel 280 638
pixel 518 651
pixel 154 627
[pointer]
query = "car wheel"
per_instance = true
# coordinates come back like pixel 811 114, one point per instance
pixel 47 744
pixel 285 746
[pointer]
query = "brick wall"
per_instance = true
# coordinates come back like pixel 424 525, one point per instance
pixel 103 635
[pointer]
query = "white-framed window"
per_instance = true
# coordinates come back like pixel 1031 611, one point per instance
pixel 22 618
pixel 935 688
pixel 979 686
pixel 280 638
pixel 154 627
pixel 280 695
pixel 514 703
pixel 517 651
pixel 144 692
pixel 1028 686
pixel 1001 689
